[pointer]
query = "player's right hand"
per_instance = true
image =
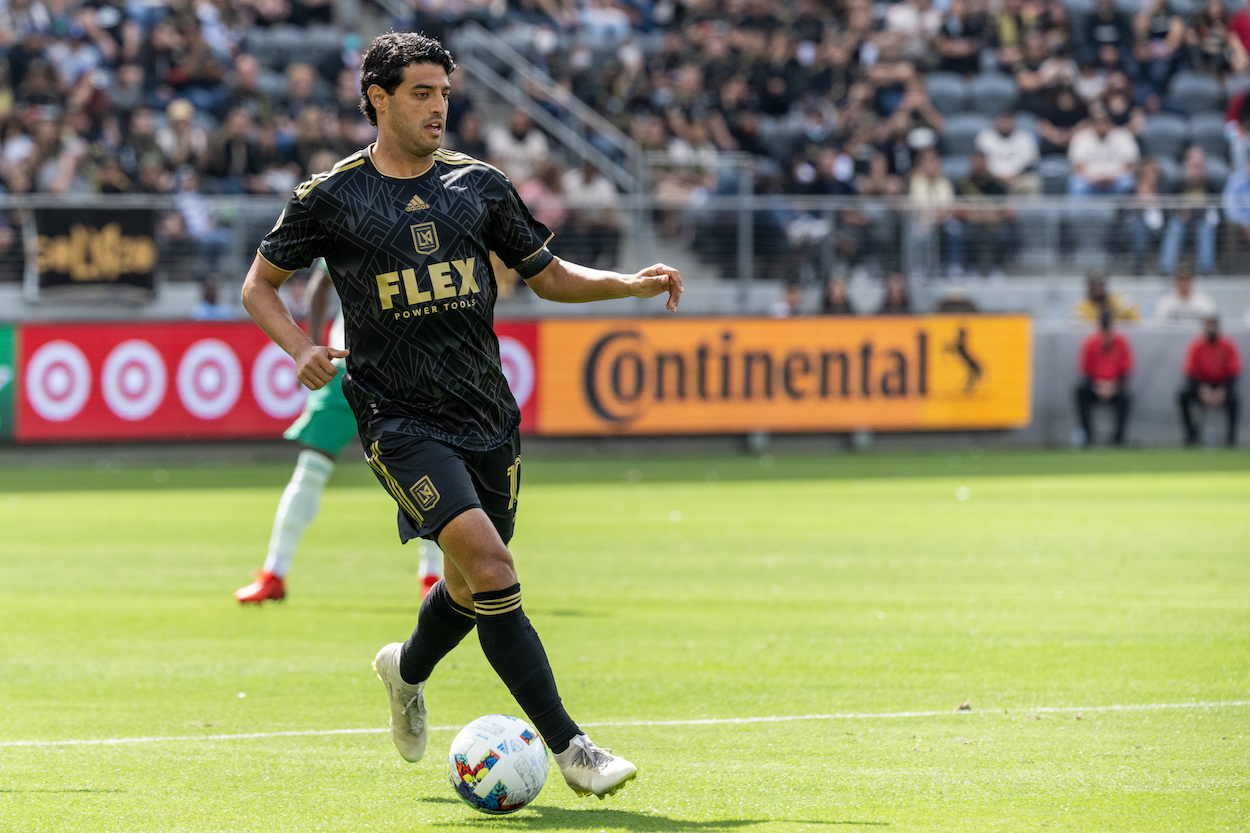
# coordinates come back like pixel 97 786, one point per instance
pixel 314 367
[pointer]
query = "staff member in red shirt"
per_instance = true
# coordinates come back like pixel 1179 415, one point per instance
pixel 1106 361
pixel 1212 366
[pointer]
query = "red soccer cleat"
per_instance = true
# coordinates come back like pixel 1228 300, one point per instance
pixel 427 584
pixel 267 587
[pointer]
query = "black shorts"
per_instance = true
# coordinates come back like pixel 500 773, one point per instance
pixel 434 482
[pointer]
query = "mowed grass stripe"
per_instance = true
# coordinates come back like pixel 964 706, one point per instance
pixel 709 721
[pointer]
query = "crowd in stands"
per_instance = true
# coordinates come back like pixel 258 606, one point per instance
pixel 920 100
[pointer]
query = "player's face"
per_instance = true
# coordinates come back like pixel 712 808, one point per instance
pixel 417 113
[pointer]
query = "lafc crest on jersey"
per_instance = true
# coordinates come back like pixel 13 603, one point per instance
pixel 425 238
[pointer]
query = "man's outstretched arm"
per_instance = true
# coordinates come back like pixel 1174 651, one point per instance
pixel 571 283
pixel 313 364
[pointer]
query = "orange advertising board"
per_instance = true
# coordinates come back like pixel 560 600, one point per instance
pixel 736 375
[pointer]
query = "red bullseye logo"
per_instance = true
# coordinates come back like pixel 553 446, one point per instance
pixel 58 381
pixel 518 368
pixel 133 380
pixel 274 384
pixel 209 379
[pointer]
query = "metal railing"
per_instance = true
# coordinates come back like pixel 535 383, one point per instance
pixel 731 233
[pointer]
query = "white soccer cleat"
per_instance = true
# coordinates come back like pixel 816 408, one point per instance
pixel 588 769
pixel 409 727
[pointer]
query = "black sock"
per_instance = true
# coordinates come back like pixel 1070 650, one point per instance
pixel 440 626
pixel 515 652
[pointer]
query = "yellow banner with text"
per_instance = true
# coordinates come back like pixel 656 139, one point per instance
pixel 736 375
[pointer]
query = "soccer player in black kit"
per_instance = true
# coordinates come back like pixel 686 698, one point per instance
pixel 406 230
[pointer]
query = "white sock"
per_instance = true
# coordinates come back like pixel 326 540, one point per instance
pixel 431 559
pixel 300 501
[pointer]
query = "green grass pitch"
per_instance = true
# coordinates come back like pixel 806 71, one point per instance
pixel 1093 609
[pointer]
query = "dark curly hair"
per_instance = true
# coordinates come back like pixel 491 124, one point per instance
pixel 384 63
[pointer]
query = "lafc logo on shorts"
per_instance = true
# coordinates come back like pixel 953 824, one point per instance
pixel 425 493
pixel 425 238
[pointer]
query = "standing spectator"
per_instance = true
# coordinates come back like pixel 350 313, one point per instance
pixel 1011 154
pixel 929 196
pixel 1196 218
pixel 1212 367
pixel 517 148
pixel 1103 157
pixel 1145 218
pixel 835 300
pixel 986 225
pixel 1097 298
pixel 1183 302
pixel 1237 202
pixel 1106 362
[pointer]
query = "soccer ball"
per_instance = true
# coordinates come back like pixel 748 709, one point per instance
pixel 497 764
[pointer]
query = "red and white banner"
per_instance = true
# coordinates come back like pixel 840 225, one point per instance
pixel 154 382
pixel 518 352
pixel 191 380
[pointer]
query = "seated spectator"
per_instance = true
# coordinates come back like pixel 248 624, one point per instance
pixel 1041 71
pixel 542 194
pixel 835 300
pixel 961 38
pixel 1106 362
pixel 984 226
pixel 790 303
pixel 1121 108
pixel 1109 27
pixel 956 302
pixel 897 300
pixel 1183 302
pixel 468 138
pixel 1145 219
pixel 1210 44
pixel 230 158
pixel 1103 157
pixel 930 196
pixel 517 147
pixel 593 233
pixel 200 218
pixel 1058 120
pixel 1098 298
pixel 180 139
pixel 1237 202
pixel 1196 219
pixel 1159 37
pixel 1212 367
pixel 1011 154
pixel 209 307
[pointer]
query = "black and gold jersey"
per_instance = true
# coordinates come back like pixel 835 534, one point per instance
pixel 410 259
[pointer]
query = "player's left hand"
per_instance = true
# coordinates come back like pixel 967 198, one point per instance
pixel 657 279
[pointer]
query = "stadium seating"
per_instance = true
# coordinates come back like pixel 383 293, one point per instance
pixel 947 92
pixel 1194 92
pixel 991 93
pixel 1165 134
pixel 1206 130
pixel 960 136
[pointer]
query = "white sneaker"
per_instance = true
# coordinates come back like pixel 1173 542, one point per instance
pixel 409 729
pixel 588 769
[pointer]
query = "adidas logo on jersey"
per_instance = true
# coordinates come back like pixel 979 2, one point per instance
pixel 416 204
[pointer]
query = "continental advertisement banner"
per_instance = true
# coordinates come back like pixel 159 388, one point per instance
pixel 737 375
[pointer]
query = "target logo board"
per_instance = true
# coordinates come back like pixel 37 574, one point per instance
pixel 518 354
pixel 153 382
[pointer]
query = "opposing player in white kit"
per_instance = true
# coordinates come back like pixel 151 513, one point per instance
pixel 324 429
